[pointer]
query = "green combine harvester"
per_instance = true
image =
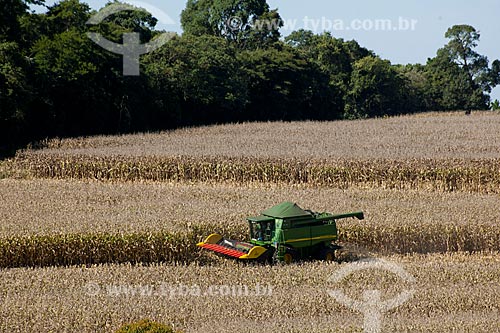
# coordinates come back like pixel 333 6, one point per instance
pixel 284 233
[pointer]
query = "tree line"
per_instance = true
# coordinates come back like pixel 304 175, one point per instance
pixel 54 81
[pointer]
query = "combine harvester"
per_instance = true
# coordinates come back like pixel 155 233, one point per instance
pixel 284 233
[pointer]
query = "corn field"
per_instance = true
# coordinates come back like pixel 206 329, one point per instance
pixel 67 250
pixel 441 153
pixel 80 249
pixel 126 212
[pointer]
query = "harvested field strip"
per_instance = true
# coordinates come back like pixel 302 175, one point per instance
pixel 482 176
pixel 47 222
pixel 453 293
pixel 54 207
pixel 66 250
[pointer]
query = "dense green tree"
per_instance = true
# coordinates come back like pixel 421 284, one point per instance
pixel 15 90
pixel 203 75
pixel 65 64
pixel 463 40
pixel 248 23
pixel 415 92
pixel 333 56
pixel 284 86
pixel 459 77
pixel 67 60
pixel 356 51
pixel 66 15
pixel 11 11
pixel 495 73
pixel 264 31
pixel 329 53
pixel 139 21
pixel 376 89
pixel 15 94
pixel 448 87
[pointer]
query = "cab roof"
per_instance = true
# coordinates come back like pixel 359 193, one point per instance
pixel 285 210
pixel 260 218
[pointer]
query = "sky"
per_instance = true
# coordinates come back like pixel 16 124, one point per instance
pixel 403 31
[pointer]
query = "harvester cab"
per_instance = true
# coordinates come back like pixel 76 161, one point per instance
pixel 286 233
pixel 262 230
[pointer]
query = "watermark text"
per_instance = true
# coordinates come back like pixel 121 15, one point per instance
pixel 172 291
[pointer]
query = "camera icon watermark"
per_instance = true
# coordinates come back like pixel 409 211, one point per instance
pixel 372 306
pixel 234 23
pixel 131 49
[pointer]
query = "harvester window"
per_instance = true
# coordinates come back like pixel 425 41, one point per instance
pixel 269 230
pixel 262 231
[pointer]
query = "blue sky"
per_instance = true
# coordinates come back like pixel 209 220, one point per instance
pixel 356 19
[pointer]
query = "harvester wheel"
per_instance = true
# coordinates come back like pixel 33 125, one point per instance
pixel 327 254
pixel 267 258
pixel 288 258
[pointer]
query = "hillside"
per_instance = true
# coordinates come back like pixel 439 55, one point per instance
pixel 430 136
pixel 445 152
